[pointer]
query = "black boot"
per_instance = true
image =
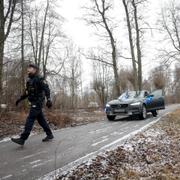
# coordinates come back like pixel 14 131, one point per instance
pixel 18 141
pixel 48 138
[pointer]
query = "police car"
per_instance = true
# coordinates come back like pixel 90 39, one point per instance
pixel 136 103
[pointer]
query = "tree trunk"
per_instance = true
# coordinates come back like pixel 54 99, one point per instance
pixel 114 57
pixel 113 45
pixel 138 46
pixel 42 34
pixel 22 49
pixel 6 21
pixel 131 45
pixel 2 22
pixel 1 68
pixel 116 76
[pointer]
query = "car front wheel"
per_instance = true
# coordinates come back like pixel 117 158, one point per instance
pixel 111 117
pixel 143 114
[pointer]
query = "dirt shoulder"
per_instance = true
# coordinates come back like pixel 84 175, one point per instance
pixel 12 123
pixel 152 154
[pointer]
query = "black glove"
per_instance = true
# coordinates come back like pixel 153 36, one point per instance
pixel 49 103
pixel 18 101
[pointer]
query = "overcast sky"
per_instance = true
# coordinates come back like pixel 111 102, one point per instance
pixel 83 35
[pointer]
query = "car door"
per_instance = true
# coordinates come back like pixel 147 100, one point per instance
pixel 157 101
pixel 148 101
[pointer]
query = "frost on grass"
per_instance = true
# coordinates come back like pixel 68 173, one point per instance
pixel 153 154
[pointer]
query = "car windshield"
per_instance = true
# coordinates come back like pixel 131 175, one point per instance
pixel 131 95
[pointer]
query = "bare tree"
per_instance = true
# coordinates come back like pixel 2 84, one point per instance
pixel 6 20
pixel 72 75
pixel 98 16
pixel 22 49
pixel 44 30
pixel 131 43
pixel 171 26
pixel 102 81
pixel 138 43
pixel 135 33
pixel 159 77
pixel 42 33
pixel 177 83
pixel 74 80
pixel 126 79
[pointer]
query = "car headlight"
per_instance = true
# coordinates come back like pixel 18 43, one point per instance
pixel 107 105
pixel 136 104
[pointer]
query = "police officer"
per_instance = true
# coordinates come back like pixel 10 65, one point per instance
pixel 36 91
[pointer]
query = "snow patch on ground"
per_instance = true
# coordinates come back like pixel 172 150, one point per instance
pixel 7 139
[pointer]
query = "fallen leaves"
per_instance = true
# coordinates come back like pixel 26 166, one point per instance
pixel 153 154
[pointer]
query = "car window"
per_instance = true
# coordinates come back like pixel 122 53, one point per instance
pixel 127 95
pixel 131 95
pixel 157 93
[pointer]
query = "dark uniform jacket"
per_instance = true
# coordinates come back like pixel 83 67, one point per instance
pixel 36 90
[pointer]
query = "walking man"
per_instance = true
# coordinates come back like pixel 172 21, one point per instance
pixel 36 91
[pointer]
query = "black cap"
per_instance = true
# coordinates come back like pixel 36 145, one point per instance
pixel 34 66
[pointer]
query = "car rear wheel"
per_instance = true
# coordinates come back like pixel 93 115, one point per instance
pixel 111 117
pixel 154 113
pixel 143 114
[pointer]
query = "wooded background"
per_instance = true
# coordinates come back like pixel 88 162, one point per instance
pixel 32 32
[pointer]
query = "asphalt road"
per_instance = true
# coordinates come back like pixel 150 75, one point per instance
pixel 70 147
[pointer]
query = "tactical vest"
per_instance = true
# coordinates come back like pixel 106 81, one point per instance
pixel 34 90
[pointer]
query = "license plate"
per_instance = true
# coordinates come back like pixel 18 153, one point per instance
pixel 119 111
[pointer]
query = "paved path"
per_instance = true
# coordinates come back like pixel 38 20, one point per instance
pixel 70 146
